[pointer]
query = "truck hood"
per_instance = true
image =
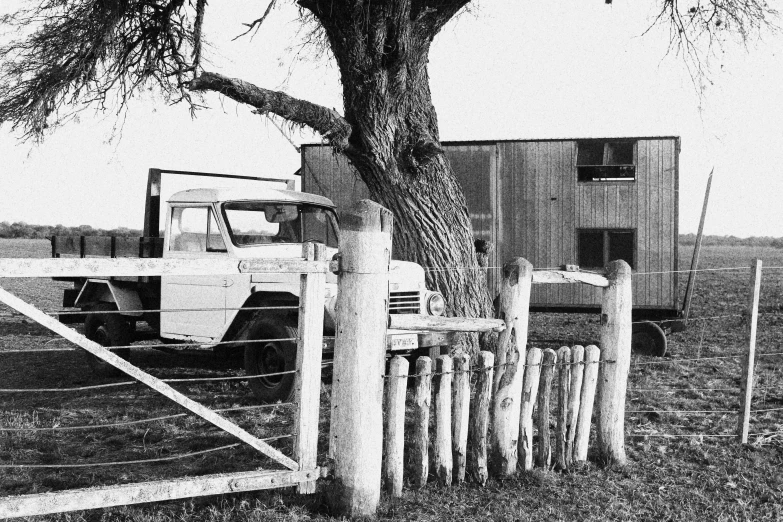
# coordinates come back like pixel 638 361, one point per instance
pixel 404 275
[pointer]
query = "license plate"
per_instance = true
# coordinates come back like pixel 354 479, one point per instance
pixel 404 342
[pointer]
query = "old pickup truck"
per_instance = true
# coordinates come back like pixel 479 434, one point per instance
pixel 263 220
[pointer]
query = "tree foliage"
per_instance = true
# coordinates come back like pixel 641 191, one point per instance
pixel 71 54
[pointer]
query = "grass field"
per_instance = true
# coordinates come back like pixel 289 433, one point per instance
pixel 683 465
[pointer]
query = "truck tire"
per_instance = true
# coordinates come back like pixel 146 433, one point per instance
pixel 268 355
pixel 107 329
pixel 647 338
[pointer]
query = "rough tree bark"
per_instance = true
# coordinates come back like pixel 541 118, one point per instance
pixel 382 50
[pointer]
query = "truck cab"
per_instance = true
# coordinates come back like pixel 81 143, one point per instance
pixel 255 313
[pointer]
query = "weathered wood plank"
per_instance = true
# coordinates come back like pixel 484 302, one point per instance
pixel 548 360
pixel 145 378
pixel 444 463
pixel 397 385
pixel 156 491
pixel 563 384
pixel 574 398
pixel 421 421
pixel 529 396
pixel 308 361
pixel 560 276
pixel 587 399
pixel 107 267
pixel 359 358
pixel 443 324
pixel 479 419
pixel 616 361
pixel 461 415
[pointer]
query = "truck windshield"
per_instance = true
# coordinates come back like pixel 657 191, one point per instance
pixel 253 223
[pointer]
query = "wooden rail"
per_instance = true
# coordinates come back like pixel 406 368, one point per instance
pixel 109 267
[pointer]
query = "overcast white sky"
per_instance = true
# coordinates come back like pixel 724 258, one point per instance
pixel 573 68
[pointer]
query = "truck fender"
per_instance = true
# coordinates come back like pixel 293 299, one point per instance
pixel 102 290
pixel 238 329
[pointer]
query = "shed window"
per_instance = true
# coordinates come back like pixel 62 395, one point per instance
pixel 597 247
pixel 598 160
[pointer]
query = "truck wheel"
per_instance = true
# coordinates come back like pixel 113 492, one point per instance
pixel 107 329
pixel 271 356
pixel 647 338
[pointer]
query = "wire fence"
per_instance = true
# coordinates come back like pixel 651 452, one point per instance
pixel 716 336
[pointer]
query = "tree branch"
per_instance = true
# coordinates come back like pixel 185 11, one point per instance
pixel 434 14
pixel 327 122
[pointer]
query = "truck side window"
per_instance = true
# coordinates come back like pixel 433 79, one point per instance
pixel 194 229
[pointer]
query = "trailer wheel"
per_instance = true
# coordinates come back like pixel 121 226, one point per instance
pixel 107 329
pixel 268 355
pixel 648 338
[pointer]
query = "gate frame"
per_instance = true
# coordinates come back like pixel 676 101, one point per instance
pixel 302 470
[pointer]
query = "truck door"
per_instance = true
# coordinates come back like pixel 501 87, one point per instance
pixel 198 301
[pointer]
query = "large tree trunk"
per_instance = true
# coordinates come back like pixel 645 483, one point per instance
pixel 395 147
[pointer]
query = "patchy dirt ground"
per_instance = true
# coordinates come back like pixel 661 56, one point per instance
pixel 681 417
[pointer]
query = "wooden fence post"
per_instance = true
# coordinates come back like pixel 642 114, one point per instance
pixel 444 464
pixel 461 415
pixel 421 420
pixel 479 419
pixel 515 308
pixel 615 362
pixel 575 396
pixel 548 360
pixel 308 361
pixel 563 383
pixel 529 395
pixel 397 386
pixel 589 381
pixel 749 363
pixel 360 346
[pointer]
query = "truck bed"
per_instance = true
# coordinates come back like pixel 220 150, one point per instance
pixel 107 246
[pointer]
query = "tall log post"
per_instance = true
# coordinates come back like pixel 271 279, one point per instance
pixel 444 464
pixel 563 384
pixel 461 415
pixel 589 381
pixel 529 395
pixel 574 398
pixel 421 421
pixel 548 360
pixel 515 311
pixel 749 363
pixel 397 385
pixel 615 362
pixel 360 346
pixel 479 419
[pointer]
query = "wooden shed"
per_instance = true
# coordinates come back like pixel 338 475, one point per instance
pixel 558 202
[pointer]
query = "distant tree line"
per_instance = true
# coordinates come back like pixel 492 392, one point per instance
pixel 762 241
pixel 26 231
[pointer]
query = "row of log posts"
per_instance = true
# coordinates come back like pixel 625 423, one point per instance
pixel 357 427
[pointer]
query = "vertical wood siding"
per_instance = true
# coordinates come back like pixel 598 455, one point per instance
pixel 524 198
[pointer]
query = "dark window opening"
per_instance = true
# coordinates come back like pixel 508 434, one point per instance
pixel 598 160
pixel 597 247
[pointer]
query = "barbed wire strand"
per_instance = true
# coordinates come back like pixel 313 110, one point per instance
pixel 140 461
pixel 147 420
pixel 128 383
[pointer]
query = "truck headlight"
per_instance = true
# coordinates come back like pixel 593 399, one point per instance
pixel 436 305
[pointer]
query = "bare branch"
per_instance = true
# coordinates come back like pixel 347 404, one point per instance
pixel 256 24
pixel 702 26
pixel 434 14
pixel 327 122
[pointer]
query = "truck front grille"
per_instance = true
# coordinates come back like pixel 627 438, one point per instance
pixel 404 303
